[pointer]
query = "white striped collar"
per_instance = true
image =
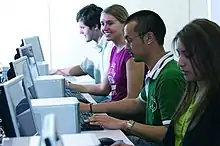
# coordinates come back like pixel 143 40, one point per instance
pixel 159 66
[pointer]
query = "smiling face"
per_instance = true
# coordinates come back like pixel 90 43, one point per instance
pixel 111 27
pixel 191 73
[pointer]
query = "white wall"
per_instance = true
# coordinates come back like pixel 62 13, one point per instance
pixel 61 42
pixel 214 10
pixel 176 13
pixel 198 9
pixel 22 18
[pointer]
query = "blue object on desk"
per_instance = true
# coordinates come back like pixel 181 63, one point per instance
pixel 119 140
pixel 4 74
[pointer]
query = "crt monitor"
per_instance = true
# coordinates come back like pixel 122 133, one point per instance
pixel 49 134
pixel 28 51
pixel 16 110
pixel 19 67
pixel 37 49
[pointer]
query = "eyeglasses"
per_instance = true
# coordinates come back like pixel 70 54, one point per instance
pixel 130 40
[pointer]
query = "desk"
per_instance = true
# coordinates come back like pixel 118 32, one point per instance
pixel 80 80
pixel 114 134
pixel 68 140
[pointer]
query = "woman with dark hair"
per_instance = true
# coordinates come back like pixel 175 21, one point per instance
pixel 197 119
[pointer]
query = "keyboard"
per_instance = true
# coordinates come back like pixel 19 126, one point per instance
pixel 69 92
pixel 86 126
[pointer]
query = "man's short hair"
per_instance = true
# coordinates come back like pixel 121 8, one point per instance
pixel 149 21
pixel 90 15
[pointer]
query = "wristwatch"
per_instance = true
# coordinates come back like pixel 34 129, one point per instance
pixel 130 124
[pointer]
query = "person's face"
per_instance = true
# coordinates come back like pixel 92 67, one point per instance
pixel 111 27
pixel 86 31
pixel 191 73
pixel 134 42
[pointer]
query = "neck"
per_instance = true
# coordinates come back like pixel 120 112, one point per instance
pixel 201 90
pixel 99 36
pixel 154 57
pixel 119 42
pixel 201 85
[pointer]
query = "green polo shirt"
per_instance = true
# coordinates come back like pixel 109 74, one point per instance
pixel 163 91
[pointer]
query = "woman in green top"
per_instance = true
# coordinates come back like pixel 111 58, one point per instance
pixel 197 119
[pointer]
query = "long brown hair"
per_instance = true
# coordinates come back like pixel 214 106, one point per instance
pixel 201 39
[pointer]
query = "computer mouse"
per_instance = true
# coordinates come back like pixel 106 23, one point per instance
pixel 105 141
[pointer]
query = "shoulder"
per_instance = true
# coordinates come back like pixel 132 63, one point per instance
pixel 126 54
pixel 171 78
pixel 171 71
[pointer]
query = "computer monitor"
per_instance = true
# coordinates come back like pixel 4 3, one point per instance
pixel 49 134
pixel 16 110
pixel 20 67
pixel 37 49
pixel 27 50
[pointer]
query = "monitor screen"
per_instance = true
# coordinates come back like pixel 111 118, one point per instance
pixel 16 111
pixel 20 67
pixel 37 50
pixel 28 51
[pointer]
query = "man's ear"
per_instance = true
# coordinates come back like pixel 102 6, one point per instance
pixel 96 27
pixel 148 38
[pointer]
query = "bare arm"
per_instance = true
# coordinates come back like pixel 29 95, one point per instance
pixel 135 77
pixel 95 89
pixel 76 71
pixel 129 106
pixel 70 71
pixel 155 133
pixel 144 131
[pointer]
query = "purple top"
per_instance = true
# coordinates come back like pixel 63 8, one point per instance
pixel 117 73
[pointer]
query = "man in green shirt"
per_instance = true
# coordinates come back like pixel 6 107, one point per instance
pixel 164 86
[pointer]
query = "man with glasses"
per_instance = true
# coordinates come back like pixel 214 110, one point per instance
pixel 164 86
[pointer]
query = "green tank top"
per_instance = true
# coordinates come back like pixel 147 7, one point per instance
pixel 182 124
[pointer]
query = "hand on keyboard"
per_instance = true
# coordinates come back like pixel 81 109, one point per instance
pixel 86 126
pixel 106 121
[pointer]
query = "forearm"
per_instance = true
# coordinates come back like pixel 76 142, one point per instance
pixel 94 89
pixel 128 106
pixel 135 78
pixel 76 71
pixel 155 133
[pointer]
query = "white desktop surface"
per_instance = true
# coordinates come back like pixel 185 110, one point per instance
pixel 80 80
pixel 116 135
pixel 55 101
pixel 68 140
pixel 71 79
